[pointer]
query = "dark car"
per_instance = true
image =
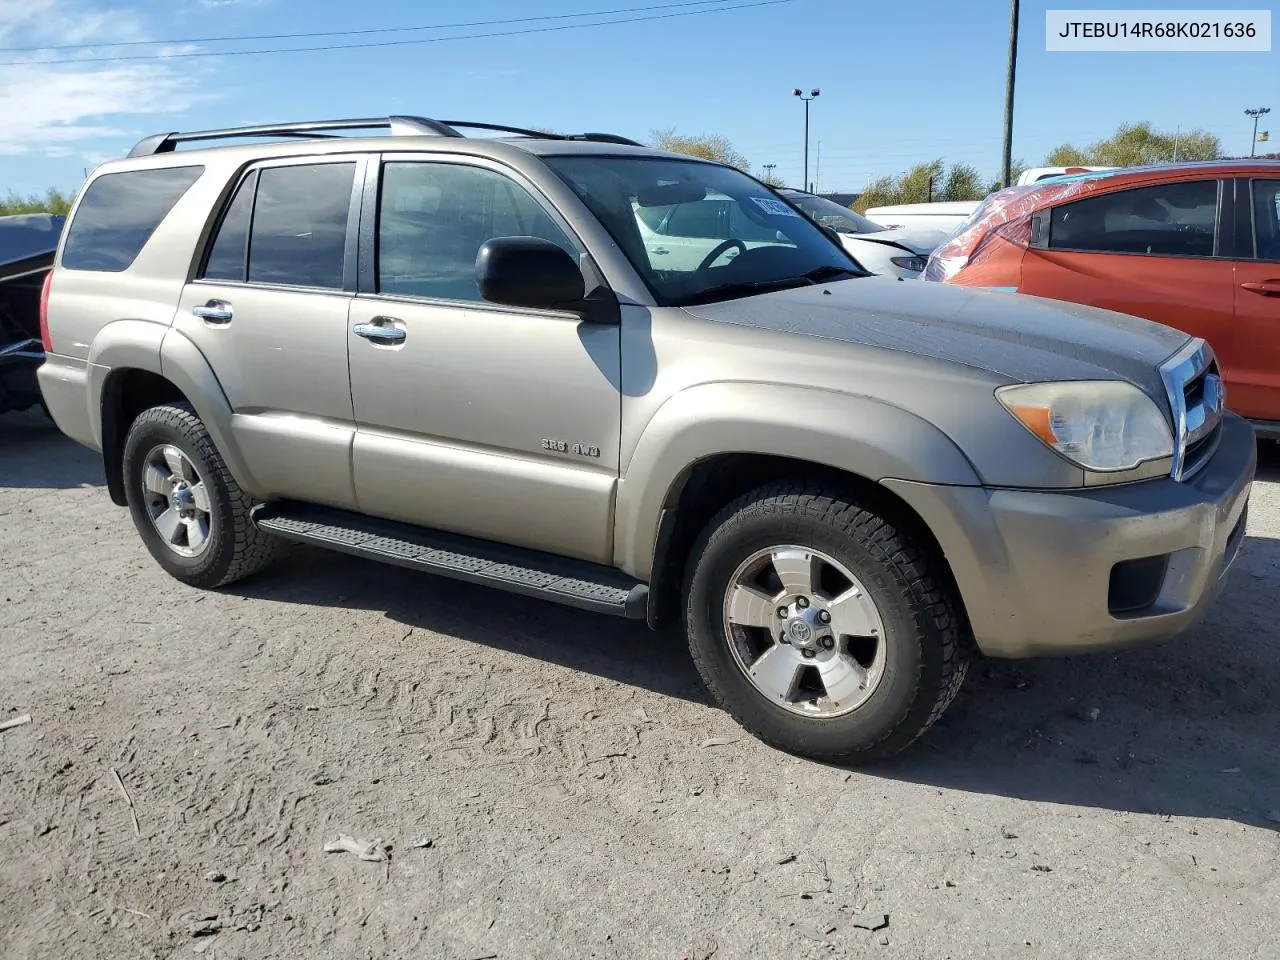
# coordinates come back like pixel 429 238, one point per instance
pixel 27 245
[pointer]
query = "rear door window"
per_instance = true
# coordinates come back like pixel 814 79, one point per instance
pixel 299 232
pixel 1169 219
pixel 118 214
pixel 1266 219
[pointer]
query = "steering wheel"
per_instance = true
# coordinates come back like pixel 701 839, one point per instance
pixel 719 251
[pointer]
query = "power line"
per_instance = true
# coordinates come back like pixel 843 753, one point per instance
pixel 392 43
pixel 364 32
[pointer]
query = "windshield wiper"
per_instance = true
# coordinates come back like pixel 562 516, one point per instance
pixel 830 272
pixel 743 288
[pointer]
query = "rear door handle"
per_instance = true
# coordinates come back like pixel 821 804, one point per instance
pixel 215 312
pixel 1268 288
pixel 380 331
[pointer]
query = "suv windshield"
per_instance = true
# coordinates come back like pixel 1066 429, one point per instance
pixel 698 232
pixel 831 214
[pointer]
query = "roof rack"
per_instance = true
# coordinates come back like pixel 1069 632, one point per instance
pixel 399 126
pixel 321 129
pixel 544 135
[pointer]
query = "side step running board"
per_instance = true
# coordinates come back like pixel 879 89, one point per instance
pixel 575 583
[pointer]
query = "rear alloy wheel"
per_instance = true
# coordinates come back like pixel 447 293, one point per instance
pixel 177 500
pixel 823 622
pixel 188 509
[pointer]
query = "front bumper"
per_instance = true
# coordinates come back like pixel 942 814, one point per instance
pixel 1048 572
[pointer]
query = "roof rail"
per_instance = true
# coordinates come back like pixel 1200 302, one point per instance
pixel 544 135
pixel 398 125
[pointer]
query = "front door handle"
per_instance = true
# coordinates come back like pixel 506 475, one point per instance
pixel 215 312
pixel 380 331
pixel 1268 288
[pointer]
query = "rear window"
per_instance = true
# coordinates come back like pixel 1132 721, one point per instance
pixel 118 214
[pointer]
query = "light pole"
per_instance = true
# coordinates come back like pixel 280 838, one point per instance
pixel 768 172
pixel 813 95
pixel 1256 112
pixel 1007 171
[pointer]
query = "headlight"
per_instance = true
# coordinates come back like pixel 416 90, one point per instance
pixel 915 264
pixel 1102 425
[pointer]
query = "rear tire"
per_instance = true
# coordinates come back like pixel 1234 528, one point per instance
pixel 879 652
pixel 188 509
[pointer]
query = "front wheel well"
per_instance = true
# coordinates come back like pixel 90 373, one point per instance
pixel 126 393
pixel 708 485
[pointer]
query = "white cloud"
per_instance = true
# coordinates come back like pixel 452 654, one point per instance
pixel 46 105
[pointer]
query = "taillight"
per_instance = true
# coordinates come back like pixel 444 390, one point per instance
pixel 1015 231
pixel 44 312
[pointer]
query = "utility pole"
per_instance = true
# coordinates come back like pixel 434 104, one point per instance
pixel 1177 133
pixel 1007 174
pixel 1255 113
pixel 813 95
pixel 817 168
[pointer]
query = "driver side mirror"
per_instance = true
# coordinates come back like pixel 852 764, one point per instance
pixel 533 272
pixel 528 272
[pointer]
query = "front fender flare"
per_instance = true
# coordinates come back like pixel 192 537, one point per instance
pixel 857 434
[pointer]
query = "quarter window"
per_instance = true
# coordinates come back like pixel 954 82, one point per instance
pixel 299 232
pixel 228 256
pixel 118 214
pixel 1171 219
pixel 1266 219
pixel 434 217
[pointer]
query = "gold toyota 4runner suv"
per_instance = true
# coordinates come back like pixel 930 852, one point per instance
pixel 641 384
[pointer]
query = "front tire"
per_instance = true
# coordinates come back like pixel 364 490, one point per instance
pixel 188 509
pixel 823 624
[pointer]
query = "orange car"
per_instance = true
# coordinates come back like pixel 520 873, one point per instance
pixel 1194 246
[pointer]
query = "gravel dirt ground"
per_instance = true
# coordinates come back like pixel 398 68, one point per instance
pixel 580 795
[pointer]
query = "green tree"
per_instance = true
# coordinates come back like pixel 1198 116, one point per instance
pixel 1066 155
pixel 923 183
pixel 1136 144
pixel 963 182
pixel 1016 169
pixel 708 146
pixel 53 201
pixel 881 192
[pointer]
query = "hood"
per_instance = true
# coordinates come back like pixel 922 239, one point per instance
pixel 1017 337
pixel 918 240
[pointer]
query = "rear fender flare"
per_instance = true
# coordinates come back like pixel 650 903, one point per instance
pixel 142 345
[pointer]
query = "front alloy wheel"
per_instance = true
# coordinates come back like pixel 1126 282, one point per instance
pixel 804 631
pixel 824 620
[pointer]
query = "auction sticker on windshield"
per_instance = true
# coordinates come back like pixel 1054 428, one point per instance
pixel 776 207
pixel 1185 31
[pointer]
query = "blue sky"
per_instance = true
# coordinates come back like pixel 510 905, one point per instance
pixel 901 82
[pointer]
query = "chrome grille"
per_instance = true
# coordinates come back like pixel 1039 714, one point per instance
pixel 1197 399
